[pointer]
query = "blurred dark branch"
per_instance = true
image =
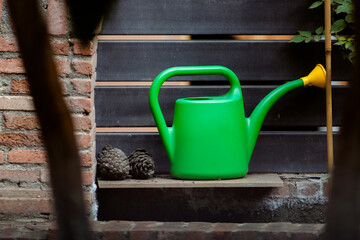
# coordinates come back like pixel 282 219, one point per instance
pixel 55 119
pixel 87 16
pixel 344 203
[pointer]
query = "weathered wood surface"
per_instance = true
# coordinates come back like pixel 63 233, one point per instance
pixel 250 180
pixel 211 17
pixel 274 151
pixel 250 60
pixel 300 108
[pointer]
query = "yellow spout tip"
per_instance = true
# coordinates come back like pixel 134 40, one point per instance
pixel 317 77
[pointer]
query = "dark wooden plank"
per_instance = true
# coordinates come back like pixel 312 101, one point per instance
pixel 128 106
pixel 250 60
pixel 274 151
pixel 211 17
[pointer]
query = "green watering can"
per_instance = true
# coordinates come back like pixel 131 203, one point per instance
pixel 211 138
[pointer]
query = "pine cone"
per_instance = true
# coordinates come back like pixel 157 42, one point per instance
pixel 142 164
pixel 112 164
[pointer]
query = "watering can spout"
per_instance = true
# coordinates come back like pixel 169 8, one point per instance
pixel 315 78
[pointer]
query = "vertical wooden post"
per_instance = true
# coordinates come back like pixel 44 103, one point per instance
pixel 330 148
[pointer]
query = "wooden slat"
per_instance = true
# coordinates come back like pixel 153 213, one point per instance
pixel 250 180
pixel 129 107
pixel 139 83
pixel 262 37
pixel 126 129
pixel 250 60
pixel 274 151
pixel 188 37
pixel 211 17
pixel 142 37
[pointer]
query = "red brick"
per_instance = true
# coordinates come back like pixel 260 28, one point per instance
pixel 27 156
pixel 325 187
pixel 82 123
pixel 86 50
pixel 15 65
pixel 56 17
pixel 19 175
pixel 11 65
pixel 198 230
pixel 25 201
pixel 79 104
pixel 83 67
pixel 20 86
pixel 281 191
pixel 27 122
pixel 171 230
pixel 30 122
pixel 86 159
pixel 25 205
pixel 8 44
pixel 9 233
pixel 24 103
pixel 62 66
pixel 1 6
pixel 1 157
pixel 83 141
pixel 87 177
pixel 21 139
pixel 32 235
pixel 144 230
pixel 82 85
pixel 111 229
pixel 60 47
pixel 307 189
pixel 39 157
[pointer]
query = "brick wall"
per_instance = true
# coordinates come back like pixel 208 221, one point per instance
pixel 128 230
pixel 24 181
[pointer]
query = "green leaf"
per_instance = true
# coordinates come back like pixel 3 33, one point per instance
pixel 319 30
pixel 316 4
pixel 341 38
pixel 308 39
pixel 349 46
pixel 338 26
pixel 297 39
pixel 346 8
pixel 340 1
pixel 317 38
pixel 351 55
pixel 340 43
pixel 350 18
pixel 305 33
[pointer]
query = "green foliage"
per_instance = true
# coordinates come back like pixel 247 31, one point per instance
pixel 316 4
pixel 343 12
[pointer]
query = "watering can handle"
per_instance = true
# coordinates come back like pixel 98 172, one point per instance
pixel 184 71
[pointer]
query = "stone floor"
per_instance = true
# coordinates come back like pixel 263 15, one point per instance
pixel 27 230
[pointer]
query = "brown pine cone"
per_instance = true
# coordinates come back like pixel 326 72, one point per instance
pixel 112 164
pixel 142 164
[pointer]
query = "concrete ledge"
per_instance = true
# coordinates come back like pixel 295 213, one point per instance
pixel 132 230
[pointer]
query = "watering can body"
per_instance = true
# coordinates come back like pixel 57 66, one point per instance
pixel 210 137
